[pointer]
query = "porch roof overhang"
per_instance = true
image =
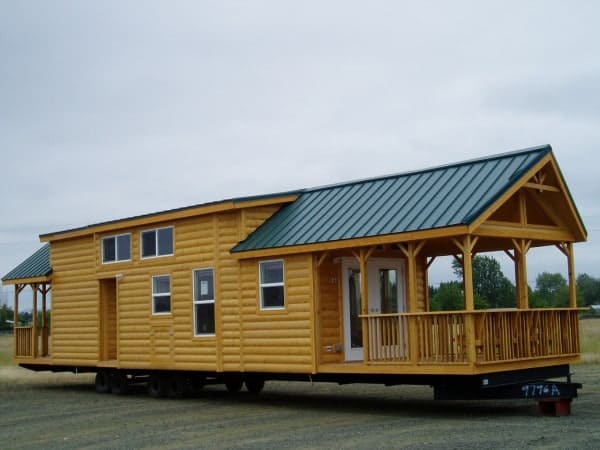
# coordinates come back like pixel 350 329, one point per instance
pixel 432 204
pixel 35 269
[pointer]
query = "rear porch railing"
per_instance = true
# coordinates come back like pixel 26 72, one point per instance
pixel 498 336
pixel 26 345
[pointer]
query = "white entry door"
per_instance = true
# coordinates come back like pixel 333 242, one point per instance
pixel 386 296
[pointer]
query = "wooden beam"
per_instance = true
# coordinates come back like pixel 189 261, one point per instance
pixel 536 232
pixel 348 244
pixel 468 244
pixel 567 249
pixel 322 258
pixel 541 187
pixel 34 331
pixel 522 209
pixel 363 258
pixel 520 258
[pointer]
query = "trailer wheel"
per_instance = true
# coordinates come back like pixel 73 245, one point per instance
pixel 255 384
pixel 177 385
pixel 102 381
pixel 119 383
pixel 234 385
pixel 157 385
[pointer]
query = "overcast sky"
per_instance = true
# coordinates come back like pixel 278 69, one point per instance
pixel 114 108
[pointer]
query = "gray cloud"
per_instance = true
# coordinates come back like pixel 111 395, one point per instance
pixel 114 109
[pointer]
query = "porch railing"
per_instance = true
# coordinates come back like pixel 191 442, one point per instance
pixel 499 336
pixel 26 345
pixel 23 341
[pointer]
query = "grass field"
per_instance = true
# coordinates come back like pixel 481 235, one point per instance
pixel 41 410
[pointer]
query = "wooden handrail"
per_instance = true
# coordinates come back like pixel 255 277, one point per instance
pixel 501 335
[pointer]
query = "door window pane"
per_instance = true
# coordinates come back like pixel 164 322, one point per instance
pixel 388 284
pixel 355 307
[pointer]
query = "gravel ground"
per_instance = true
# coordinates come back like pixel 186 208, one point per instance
pixel 41 410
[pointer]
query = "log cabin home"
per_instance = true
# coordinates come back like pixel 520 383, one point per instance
pixel 326 284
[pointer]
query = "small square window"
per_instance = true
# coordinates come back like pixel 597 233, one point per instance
pixel 116 248
pixel 272 291
pixel 157 242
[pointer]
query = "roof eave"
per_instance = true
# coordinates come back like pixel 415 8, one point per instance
pixel 30 280
pixel 170 215
pixel 452 231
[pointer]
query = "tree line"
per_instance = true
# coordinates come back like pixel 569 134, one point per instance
pixel 25 318
pixel 494 290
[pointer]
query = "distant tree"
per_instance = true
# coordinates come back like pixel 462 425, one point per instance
pixel 447 297
pixel 588 290
pixel 6 317
pixel 489 283
pixel 551 289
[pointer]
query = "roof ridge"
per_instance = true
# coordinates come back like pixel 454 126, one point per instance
pixel 546 147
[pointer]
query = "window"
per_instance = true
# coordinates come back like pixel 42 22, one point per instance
pixel 161 294
pixel 157 242
pixel 116 248
pixel 271 285
pixel 204 302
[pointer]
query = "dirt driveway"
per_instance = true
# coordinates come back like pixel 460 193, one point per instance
pixel 64 411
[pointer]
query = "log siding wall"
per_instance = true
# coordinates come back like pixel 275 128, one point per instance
pixel 165 341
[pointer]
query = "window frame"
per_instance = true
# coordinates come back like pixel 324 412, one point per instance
pixel 155 230
pixel 195 301
pixel 262 285
pixel 116 260
pixel 160 294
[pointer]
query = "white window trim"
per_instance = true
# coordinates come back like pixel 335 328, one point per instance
pixel 162 294
pixel 156 242
pixel 262 285
pixel 115 236
pixel 202 302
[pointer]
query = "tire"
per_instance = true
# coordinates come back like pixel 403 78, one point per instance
pixel 234 385
pixel 157 385
pixel 119 383
pixel 177 386
pixel 102 382
pixel 255 384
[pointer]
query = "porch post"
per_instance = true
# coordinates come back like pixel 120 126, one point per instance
pixel 18 289
pixel 363 258
pixel 44 291
pixel 34 330
pixel 411 250
pixel 567 249
pixel 520 258
pixel 466 247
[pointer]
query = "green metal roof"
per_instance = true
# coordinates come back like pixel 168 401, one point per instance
pixel 36 266
pixel 439 197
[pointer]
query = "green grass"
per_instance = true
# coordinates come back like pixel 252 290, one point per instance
pixel 590 340
pixel 6 350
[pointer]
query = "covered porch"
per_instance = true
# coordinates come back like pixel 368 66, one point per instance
pixel 410 338
pixel 32 339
